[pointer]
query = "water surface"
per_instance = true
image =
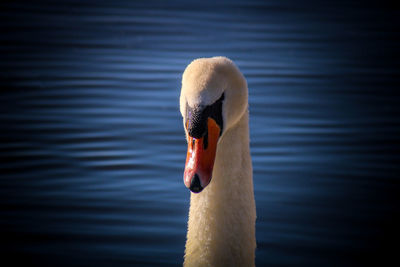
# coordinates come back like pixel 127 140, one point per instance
pixel 93 149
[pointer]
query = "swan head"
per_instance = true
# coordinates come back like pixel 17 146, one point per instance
pixel 213 99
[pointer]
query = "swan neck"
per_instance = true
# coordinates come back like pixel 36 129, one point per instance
pixel 221 227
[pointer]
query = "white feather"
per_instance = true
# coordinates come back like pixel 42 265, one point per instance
pixel 221 226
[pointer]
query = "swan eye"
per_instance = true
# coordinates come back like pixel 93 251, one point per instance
pixel 197 117
pixel 205 141
pixel 216 112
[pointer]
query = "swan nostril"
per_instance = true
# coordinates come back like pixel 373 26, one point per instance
pixel 195 185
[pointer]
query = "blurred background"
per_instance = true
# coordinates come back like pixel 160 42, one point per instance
pixel 92 145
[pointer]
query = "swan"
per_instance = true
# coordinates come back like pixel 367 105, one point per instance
pixel 218 169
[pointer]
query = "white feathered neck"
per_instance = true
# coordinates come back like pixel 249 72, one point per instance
pixel 221 226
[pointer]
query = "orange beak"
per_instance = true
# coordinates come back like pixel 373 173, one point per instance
pixel 200 158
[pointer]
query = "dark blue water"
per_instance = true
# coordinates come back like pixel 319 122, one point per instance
pixel 92 145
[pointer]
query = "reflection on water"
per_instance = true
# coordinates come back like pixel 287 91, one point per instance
pixel 93 149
